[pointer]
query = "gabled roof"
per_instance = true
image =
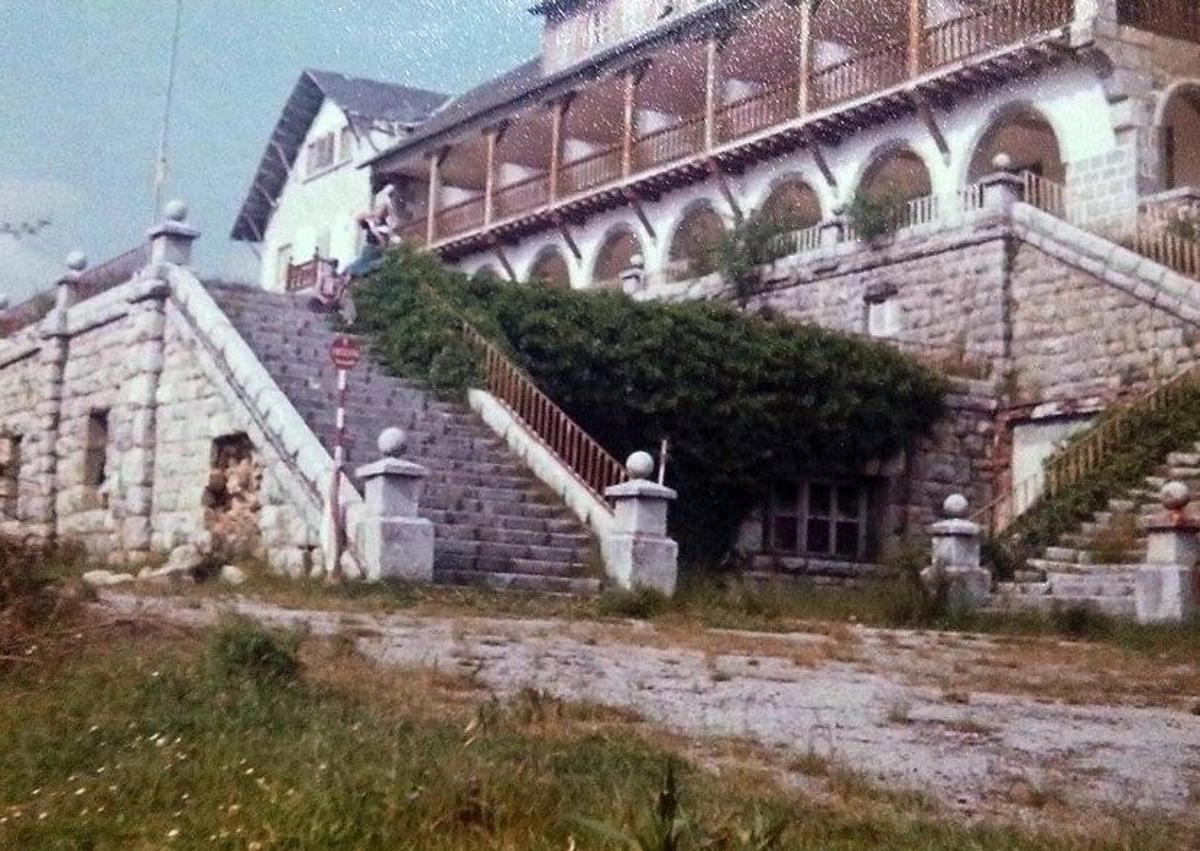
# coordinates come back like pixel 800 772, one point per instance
pixel 364 102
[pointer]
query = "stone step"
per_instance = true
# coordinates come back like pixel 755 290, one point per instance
pixel 1184 459
pixel 1123 607
pixel 485 551
pixel 567 540
pixel 501 581
pixel 1066 554
pixel 1125 505
pixel 1047 566
pixel 444 517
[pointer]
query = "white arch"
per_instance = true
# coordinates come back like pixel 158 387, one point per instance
pixel 792 175
pixel 881 152
pixel 613 230
pixel 994 119
pixel 545 250
pixel 1168 94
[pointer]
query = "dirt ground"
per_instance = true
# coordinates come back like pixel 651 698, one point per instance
pixel 987 726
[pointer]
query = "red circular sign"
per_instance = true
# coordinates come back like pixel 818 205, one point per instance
pixel 345 353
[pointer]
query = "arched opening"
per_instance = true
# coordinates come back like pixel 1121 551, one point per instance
pixel 793 205
pixel 487 272
pixel 897 176
pixel 1181 139
pixel 692 247
pixel 550 268
pixel 1028 139
pixel 615 256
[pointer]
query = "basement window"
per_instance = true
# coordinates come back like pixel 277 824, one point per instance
pixel 882 312
pixel 95 453
pixel 818 518
pixel 10 474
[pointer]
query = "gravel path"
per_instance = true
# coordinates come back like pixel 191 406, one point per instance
pixel 867 714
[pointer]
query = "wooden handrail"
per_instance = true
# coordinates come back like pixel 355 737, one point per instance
pixel 593 466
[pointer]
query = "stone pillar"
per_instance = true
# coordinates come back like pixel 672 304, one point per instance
pixel 633 277
pixel 393 542
pixel 171 241
pixel 956 563
pixel 638 554
pixel 833 230
pixel 40 464
pixel 1166 586
pixel 1004 186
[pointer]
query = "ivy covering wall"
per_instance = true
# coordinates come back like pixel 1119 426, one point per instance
pixel 746 401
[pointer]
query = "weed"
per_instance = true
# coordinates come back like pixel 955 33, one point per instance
pixel 242 649
pixel 899 711
pixel 640 603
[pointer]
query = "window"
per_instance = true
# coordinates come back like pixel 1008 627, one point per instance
pixel 346 146
pixel 10 474
pixel 320 153
pixel 883 312
pixel 819 518
pixel 95 453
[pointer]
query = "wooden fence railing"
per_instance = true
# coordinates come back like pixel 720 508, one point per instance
pixel 759 111
pixel 1155 239
pixel 990 26
pixel 1046 195
pixel 861 74
pixel 669 144
pixel 527 194
pixel 591 171
pixel 591 464
pixel 459 218
pixel 1173 18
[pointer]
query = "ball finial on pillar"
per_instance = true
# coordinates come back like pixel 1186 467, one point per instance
pixel 955 507
pixel 1175 496
pixel 77 261
pixel 1002 162
pixel 640 465
pixel 176 210
pixel 392 442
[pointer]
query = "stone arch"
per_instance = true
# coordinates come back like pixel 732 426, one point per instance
pixel 694 234
pixel 1179 134
pixel 897 172
pixel 792 202
pixel 1025 134
pixel 487 270
pixel 614 256
pixel 551 268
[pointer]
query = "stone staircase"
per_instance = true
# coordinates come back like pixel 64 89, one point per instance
pixel 1094 567
pixel 496 524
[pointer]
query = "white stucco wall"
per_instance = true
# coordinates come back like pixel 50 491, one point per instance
pixel 1071 98
pixel 312 206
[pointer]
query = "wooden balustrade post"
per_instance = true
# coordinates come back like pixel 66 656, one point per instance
pixel 435 191
pixel 712 91
pixel 805 57
pixel 630 125
pixel 492 135
pixel 917 11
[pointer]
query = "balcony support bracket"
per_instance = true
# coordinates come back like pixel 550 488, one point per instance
pixel 714 168
pixel 561 224
pixel 925 110
pixel 635 201
pixel 502 257
pixel 822 164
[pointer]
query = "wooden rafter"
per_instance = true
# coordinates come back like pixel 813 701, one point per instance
pixel 635 201
pixel 714 168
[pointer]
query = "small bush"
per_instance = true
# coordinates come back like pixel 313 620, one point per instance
pixel 1081 623
pixel 875 217
pixel 640 603
pixel 243 649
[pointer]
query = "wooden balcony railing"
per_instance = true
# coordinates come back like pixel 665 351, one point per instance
pixel 415 230
pixel 759 111
pixel 861 74
pixel 1156 240
pixel 594 170
pixel 1173 18
pixel 592 465
pixel 527 194
pixel 670 144
pixel 994 25
pixel 306 276
pixel 1046 195
pixel 459 218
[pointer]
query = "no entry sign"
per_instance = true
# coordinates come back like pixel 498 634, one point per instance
pixel 345 353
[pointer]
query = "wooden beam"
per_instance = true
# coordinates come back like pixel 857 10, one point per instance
pixel 916 36
pixel 498 250
pixel 819 158
pixel 714 168
pixel 630 126
pixel 283 160
pixel 489 181
pixel 249 221
pixel 926 112
pixel 635 201
pixel 266 195
pixel 435 189
pixel 805 57
pixel 712 84
pixel 561 224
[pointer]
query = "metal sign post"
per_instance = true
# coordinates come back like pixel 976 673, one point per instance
pixel 345 353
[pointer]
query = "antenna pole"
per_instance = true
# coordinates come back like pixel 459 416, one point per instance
pixel 160 169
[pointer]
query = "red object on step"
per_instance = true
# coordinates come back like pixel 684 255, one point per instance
pixel 345 353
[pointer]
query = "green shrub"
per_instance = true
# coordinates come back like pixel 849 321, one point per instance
pixel 244 650
pixel 875 217
pixel 746 401
pixel 743 250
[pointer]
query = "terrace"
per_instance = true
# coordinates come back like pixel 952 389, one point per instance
pixel 776 79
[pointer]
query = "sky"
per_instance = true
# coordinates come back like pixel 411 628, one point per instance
pixel 82 89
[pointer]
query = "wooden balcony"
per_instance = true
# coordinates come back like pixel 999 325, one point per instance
pixel 870 83
pixel 1173 18
pixel 306 276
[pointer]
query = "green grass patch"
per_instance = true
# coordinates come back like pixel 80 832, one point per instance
pixel 141 741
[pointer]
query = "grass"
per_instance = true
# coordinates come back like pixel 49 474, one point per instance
pixel 153 739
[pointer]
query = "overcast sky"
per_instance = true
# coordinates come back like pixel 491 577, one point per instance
pixel 82 87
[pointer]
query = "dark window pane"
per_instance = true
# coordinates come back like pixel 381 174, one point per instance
pixel 847 540
pixel 820 500
pixel 785 534
pixel 848 498
pixel 818 537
